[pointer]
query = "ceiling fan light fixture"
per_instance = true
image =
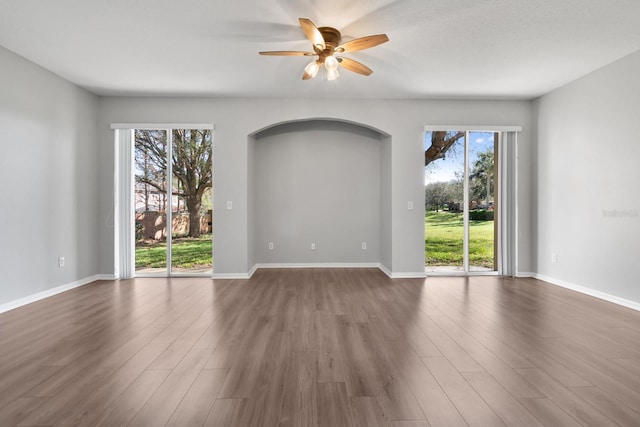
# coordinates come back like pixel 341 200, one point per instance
pixel 332 74
pixel 312 68
pixel 331 63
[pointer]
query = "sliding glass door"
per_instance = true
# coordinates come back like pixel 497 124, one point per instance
pixel 461 202
pixel 173 201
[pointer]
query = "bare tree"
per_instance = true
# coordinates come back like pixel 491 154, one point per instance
pixel 192 167
pixel 191 164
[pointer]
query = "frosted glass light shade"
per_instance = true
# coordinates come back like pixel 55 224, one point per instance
pixel 312 68
pixel 331 63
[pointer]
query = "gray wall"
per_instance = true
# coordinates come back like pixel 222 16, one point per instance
pixel 48 173
pixel 586 187
pixel 386 224
pixel 317 182
pixel 235 120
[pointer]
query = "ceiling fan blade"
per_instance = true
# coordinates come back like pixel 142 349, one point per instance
pixel 312 33
pixel 355 66
pixel 362 43
pixel 286 53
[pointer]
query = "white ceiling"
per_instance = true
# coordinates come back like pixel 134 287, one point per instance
pixel 437 49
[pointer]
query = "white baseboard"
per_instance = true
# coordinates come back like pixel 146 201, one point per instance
pixel 250 273
pixel 49 293
pixel 385 270
pixel 233 276
pixel 588 291
pixel 525 274
pixel 408 275
pixel 106 277
pixel 318 265
pixel 253 270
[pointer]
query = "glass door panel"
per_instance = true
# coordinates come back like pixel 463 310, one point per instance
pixel 461 201
pixel 191 201
pixel 482 201
pixel 444 201
pixel 150 164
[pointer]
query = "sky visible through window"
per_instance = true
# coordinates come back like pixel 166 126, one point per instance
pixel 444 170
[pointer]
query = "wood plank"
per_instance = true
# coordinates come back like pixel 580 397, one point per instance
pixel 548 413
pixel 24 380
pixel 194 408
pixel 362 376
pixel 121 411
pixel 367 412
pixel 267 393
pixel 174 353
pixel 506 376
pixel 245 368
pixel 472 407
pixel 448 347
pixel 567 400
pixel 609 377
pixel 160 407
pixel 410 423
pixel 88 408
pixel 632 365
pixel 74 384
pixel 396 398
pixel 226 413
pixel 330 364
pixel 334 407
pixel 12 413
pixel 299 405
pixel 612 408
pixel 434 403
pixel 500 400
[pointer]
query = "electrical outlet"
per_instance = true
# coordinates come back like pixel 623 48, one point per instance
pixel 364 245
pixel 554 258
pixel 270 246
pixel 229 204
pixel 313 246
pixel 61 262
pixel 410 205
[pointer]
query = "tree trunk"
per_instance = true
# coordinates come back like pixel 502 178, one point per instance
pixel 440 144
pixel 193 206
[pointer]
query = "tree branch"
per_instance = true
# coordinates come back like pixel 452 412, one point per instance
pixel 440 144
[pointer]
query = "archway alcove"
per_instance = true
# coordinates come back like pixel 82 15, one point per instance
pixel 319 191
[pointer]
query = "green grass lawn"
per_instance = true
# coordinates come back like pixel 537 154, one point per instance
pixel 443 245
pixel 443 237
pixel 186 253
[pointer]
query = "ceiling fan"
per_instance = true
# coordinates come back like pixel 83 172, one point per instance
pixel 326 45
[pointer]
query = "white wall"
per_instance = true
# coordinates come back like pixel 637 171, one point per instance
pixel 236 119
pixel 317 182
pixel 588 202
pixel 48 165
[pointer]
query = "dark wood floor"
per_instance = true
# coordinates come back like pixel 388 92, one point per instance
pixel 320 348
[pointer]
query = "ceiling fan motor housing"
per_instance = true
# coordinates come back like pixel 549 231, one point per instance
pixel 331 37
